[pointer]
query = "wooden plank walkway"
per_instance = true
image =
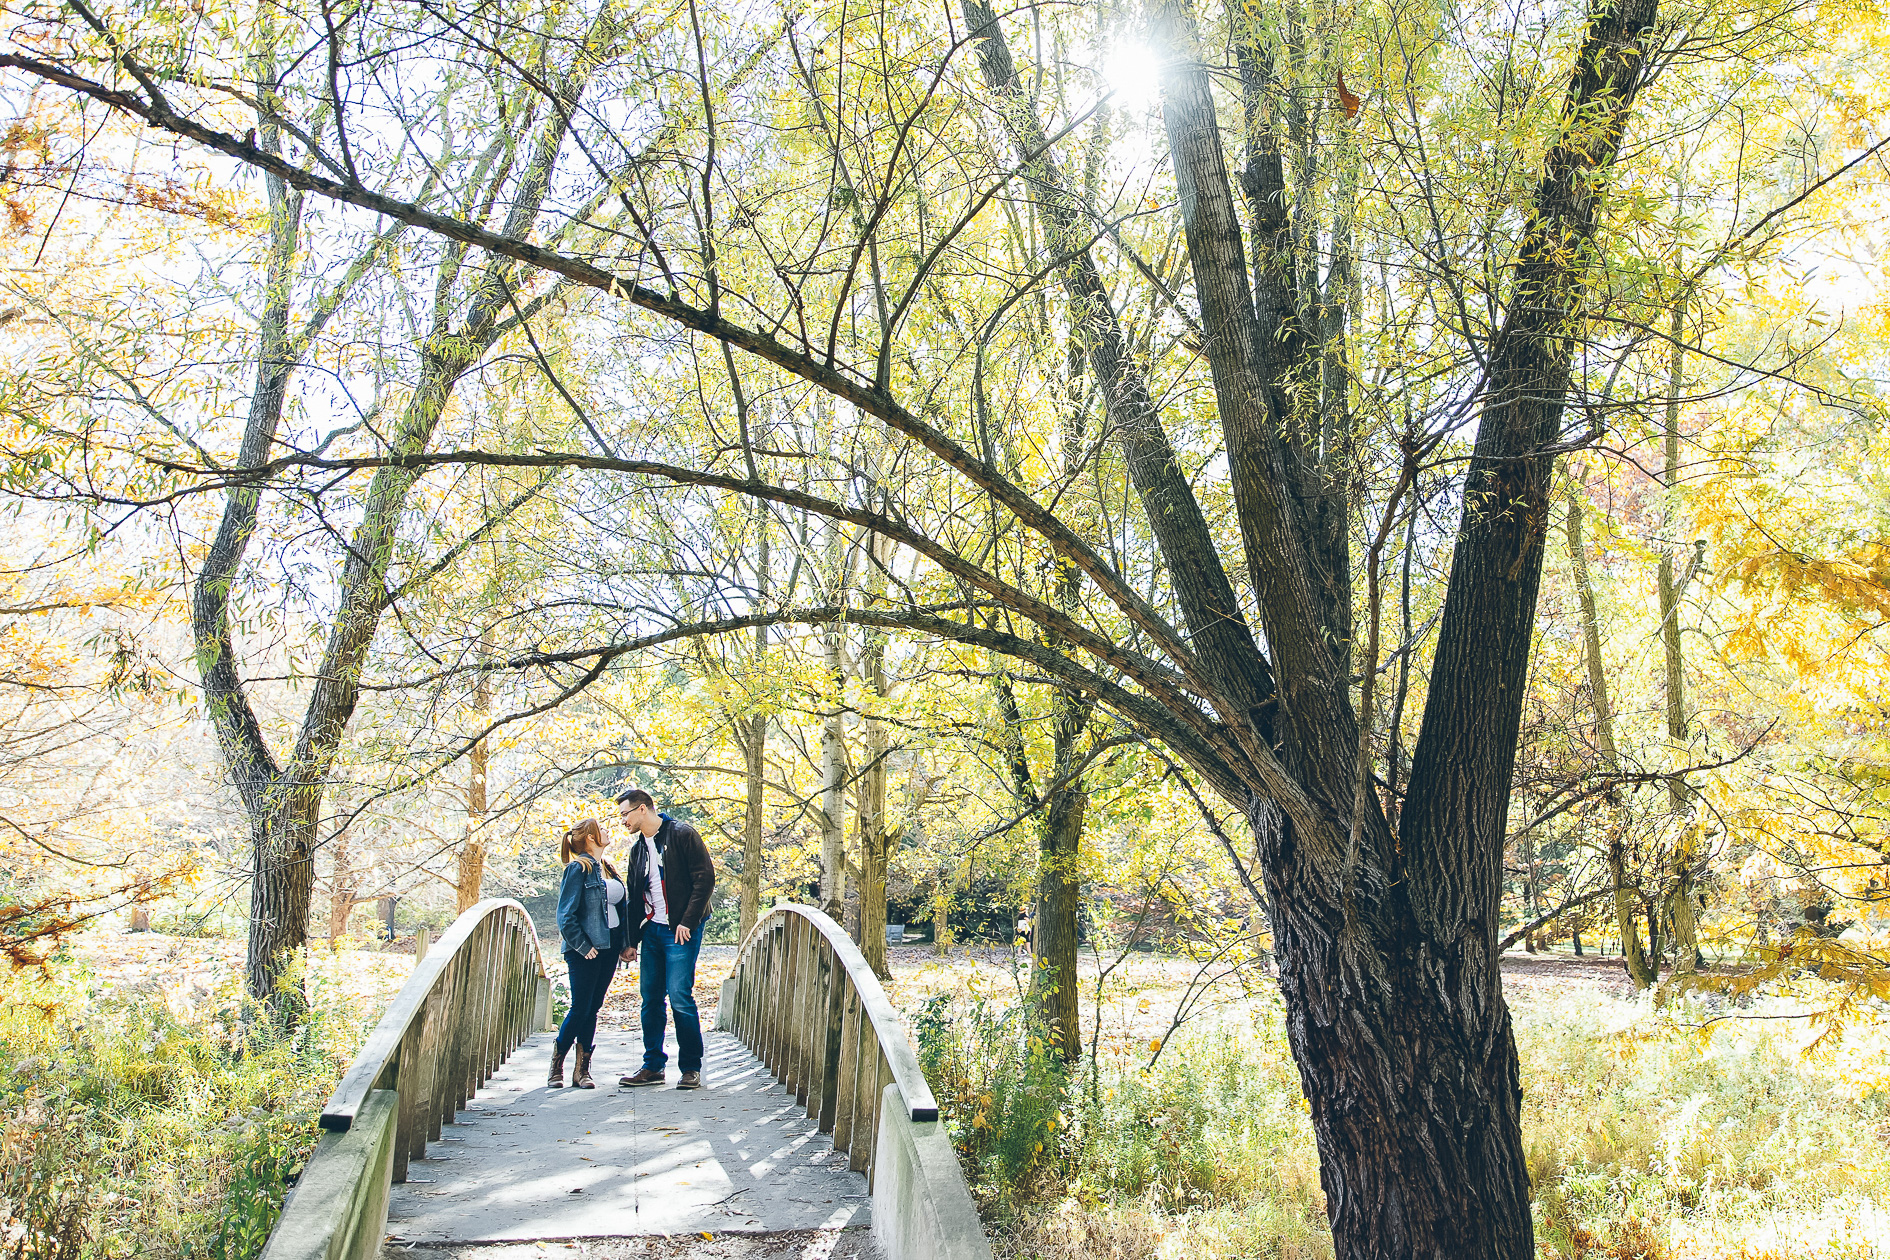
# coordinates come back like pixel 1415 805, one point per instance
pixel 525 1163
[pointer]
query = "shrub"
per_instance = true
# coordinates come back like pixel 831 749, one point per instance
pixel 1655 1130
pixel 1004 1093
pixel 1218 1126
pixel 1647 1139
pixel 131 1127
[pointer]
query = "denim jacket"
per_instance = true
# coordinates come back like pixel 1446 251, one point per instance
pixel 582 921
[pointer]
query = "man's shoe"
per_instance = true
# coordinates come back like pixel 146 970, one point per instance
pixel 690 1080
pixel 643 1077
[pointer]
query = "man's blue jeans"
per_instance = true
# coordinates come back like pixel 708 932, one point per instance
pixel 668 970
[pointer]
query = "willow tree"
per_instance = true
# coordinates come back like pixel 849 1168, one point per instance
pixel 1221 624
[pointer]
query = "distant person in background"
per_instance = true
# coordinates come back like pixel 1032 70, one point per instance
pixel 594 924
pixel 670 877
pixel 1023 930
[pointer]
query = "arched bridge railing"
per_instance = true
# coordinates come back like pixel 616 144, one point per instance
pixel 803 999
pixel 479 992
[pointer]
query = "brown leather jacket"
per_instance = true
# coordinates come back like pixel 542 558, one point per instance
pixel 688 876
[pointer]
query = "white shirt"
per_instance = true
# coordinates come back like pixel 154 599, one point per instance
pixel 654 902
pixel 614 892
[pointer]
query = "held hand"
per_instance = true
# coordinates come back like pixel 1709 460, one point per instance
pixel 628 955
pixel 682 935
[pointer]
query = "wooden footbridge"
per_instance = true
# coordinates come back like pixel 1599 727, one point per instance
pixel 815 1119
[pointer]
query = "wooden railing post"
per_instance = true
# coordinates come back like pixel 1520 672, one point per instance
pixel 771 1013
pixel 797 998
pixel 809 1092
pixel 462 1011
pixel 835 1022
pixel 479 998
pixel 813 1042
pixel 846 1100
pixel 438 1010
pixel 865 1106
pixel 403 1115
pixel 881 1080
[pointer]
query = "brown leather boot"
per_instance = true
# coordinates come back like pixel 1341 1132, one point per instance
pixel 581 1074
pixel 556 1079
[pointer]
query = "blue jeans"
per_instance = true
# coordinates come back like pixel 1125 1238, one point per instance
pixel 590 981
pixel 668 970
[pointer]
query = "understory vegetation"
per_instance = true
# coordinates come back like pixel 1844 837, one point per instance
pixel 1651 1135
pixel 136 1122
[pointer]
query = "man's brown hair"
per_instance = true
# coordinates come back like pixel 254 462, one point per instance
pixel 636 796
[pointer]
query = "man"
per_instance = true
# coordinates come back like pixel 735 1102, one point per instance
pixel 668 876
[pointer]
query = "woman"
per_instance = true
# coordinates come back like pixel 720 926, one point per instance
pixel 595 931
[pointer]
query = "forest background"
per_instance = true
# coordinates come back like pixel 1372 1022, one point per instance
pixel 422 420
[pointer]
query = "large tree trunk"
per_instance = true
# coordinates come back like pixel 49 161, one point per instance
pixel 1057 903
pixel 752 733
pixel 1624 895
pixel 1387 944
pixel 874 847
pixel 1640 970
pixel 470 874
pixel 279 899
pixel 278 816
pixel 1388 948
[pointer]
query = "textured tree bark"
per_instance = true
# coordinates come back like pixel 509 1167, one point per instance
pixel 1057 902
pixel 753 731
pixel 1640 969
pixel 341 889
pixel 1056 921
pixel 469 875
pixel 280 893
pixel 1388 950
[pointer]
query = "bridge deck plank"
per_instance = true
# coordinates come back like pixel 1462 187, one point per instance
pixel 530 1163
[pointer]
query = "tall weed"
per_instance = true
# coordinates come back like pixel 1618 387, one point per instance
pixel 134 1127
pixel 1655 1138
pixel 1647 1139
pixel 1211 1143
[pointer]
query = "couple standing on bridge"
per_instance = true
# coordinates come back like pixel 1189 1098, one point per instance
pixel 651 914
